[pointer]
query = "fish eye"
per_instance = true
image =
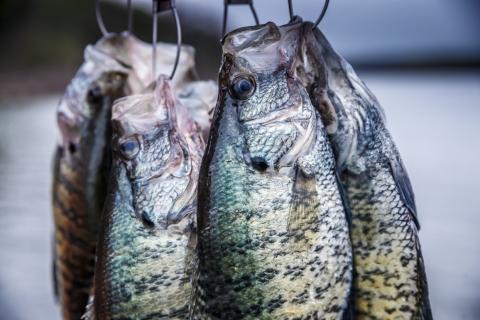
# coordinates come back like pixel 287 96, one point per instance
pixel 94 94
pixel 242 87
pixel 130 148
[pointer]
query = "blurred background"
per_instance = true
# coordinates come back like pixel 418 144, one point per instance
pixel 421 59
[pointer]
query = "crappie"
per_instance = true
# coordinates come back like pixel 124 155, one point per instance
pixel 390 281
pixel 145 252
pixel 113 68
pixel 273 238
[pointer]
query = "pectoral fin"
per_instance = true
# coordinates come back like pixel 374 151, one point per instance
pixel 305 206
pixel 404 186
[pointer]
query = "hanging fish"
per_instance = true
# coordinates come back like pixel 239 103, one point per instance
pixel 390 280
pixel 145 253
pixel 117 65
pixel 273 237
pixel 81 169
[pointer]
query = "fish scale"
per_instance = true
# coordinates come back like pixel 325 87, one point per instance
pixel 272 94
pixel 277 142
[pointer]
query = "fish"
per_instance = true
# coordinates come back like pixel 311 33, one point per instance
pixel 272 235
pixel 148 236
pixel 114 67
pixel 390 280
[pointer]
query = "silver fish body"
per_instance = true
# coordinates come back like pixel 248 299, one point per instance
pixel 390 281
pixel 146 248
pixel 273 238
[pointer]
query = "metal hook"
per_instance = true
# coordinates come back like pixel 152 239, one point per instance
pixel 228 3
pixel 161 6
pixel 101 24
pixel 319 19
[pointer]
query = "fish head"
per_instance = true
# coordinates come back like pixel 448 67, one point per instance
pixel 85 108
pixel 258 80
pixel 161 148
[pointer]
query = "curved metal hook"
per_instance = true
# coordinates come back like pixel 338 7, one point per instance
pixel 228 3
pixel 101 24
pixel 160 6
pixel 320 17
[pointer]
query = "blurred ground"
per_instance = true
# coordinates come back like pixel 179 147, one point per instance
pixel 433 118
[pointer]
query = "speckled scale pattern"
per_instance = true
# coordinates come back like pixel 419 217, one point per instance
pixel 388 262
pixel 75 245
pixel 146 271
pixel 271 246
pixel 390 280
pixel 270 142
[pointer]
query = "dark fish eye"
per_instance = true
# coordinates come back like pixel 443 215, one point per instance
pixel 242 87
pixel 72 147
pixel 129 149
pixel 147 221
pixel 94 94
